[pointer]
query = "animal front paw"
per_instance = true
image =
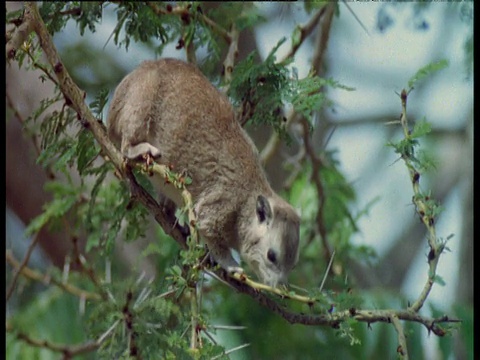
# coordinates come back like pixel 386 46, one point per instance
pixel 235 269
pixel 143 149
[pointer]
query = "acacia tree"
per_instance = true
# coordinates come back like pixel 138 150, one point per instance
pixel 92 199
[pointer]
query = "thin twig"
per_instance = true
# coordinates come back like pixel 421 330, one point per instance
pixel 183 10
pixel 227 352
pixel 277 291
pixel 327 271
pixel 335 318
pixel 356 18
pixel 273 143
pixel 82 262
pixel 229 62
pixel 315 176
pixel 227 327
pixel 20 34
pixel 304 31
pixel 425 211
pixel 22 265
pixel 37 276
pixel 194 338
pixel 69 351
pixel 129 320
pixel 402 341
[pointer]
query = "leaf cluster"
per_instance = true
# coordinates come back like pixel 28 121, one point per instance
pixel 57 13
pixel 266 87
pixel 155 320
pixel 102 207
pixel 243 15
pixel 426 71
pixel 407 147
pixel 261 86
pixel 141 24
pixel 333 211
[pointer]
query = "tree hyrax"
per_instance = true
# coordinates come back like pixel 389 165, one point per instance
pixel 169 109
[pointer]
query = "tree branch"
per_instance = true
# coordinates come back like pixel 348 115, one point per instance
pixel 335 318
pixel 301 32
pixel 425 208
pixel 21 266
pixel 37 276
pixel 232 54
pixel 69 351
pixel 402 342
pixel 20 34
pixel 315 177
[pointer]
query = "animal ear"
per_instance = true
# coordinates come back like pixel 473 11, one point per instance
pixel 264 211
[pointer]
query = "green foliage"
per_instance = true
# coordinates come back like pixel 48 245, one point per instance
pixel 90 13
pixel 337 218
pixel 85 150
pixel 407 147
pixel 263 86
pixel 155 319
pixel 243 14
pixel 268 86
pixel 99 102
pixel 111 208
pixel 50 315
pixel 51 13
pixel 57 13
pixel 64 199
pixel 426 71
pixel 466 330
pixel 421 128
pixel 141 24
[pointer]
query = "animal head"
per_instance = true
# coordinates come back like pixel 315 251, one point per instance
pixel 271 247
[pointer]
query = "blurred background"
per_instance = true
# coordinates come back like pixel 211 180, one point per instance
pixel 374 47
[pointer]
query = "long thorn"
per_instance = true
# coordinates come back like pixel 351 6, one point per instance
pixel 328 270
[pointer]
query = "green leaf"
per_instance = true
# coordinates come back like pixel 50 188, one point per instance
pixel 99 102
pixel 296 36
pixel 152 248
pixel 64 198
pixel 426 71
pixel 85 150
pixel 181 216
pixel 187 180
pixel 439 280
pixel 421 128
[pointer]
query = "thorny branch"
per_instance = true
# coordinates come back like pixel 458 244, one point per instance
pixel 68 351
pixel 315 176
pixel 128 318
pixel 47 279
pixel 402 341
pixel 335 318
pixel 300 35
pixel 424 210
pixel 75 99
pixel 21 266
pixel 304 30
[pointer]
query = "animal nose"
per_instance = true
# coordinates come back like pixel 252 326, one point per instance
pixel 277 280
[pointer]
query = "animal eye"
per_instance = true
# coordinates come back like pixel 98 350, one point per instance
pixel 272 256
